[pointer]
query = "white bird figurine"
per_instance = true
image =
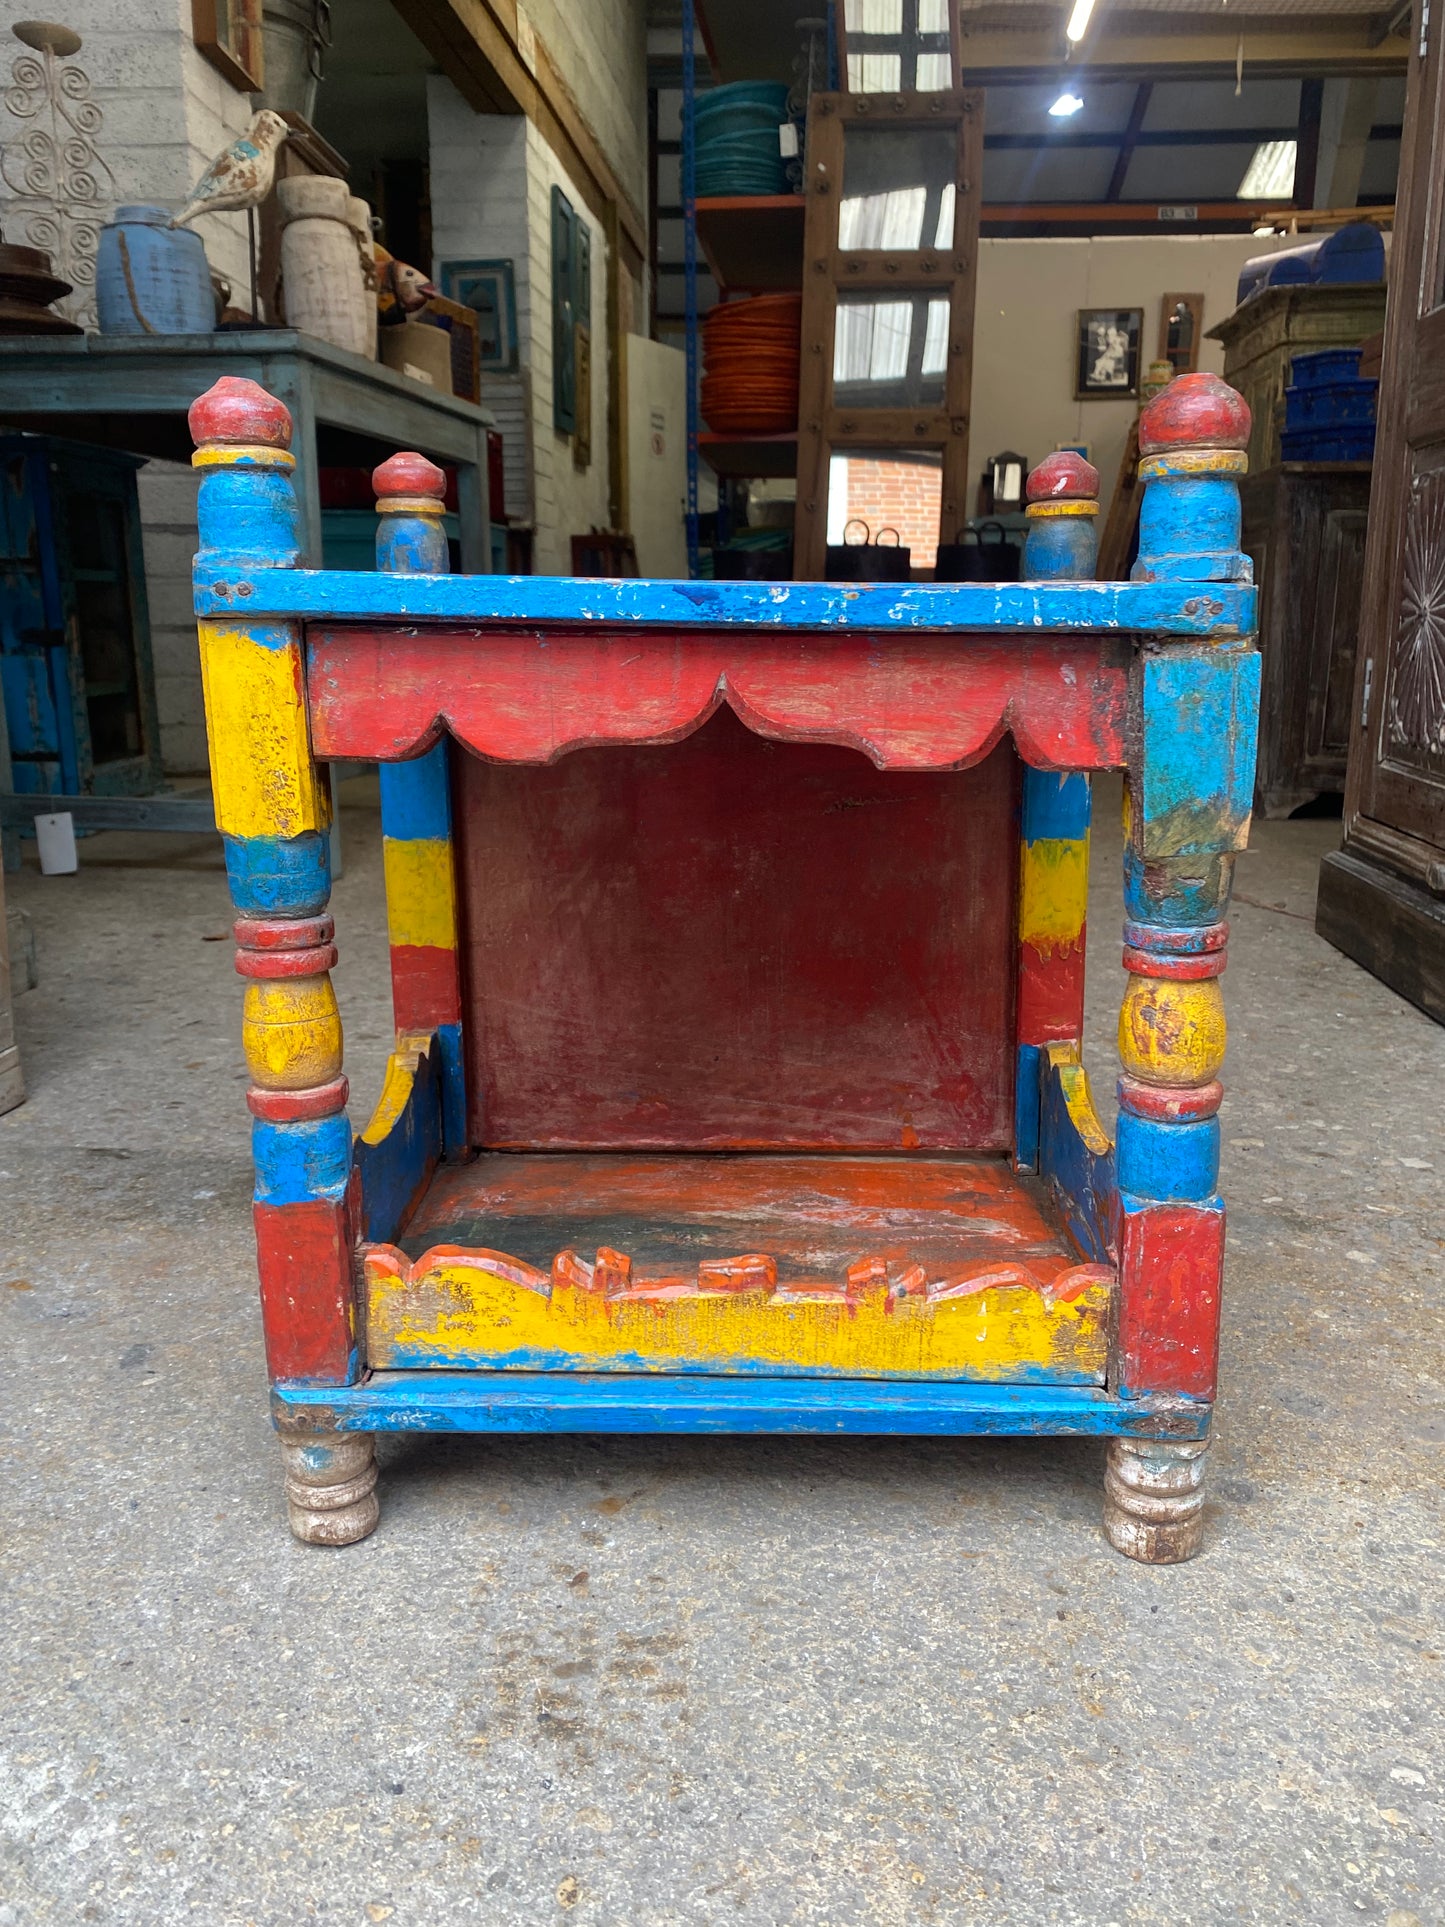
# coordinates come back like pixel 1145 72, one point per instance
pixel 240 176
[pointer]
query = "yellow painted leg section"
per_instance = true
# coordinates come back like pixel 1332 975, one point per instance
pixel 1053 891
pixel 420 892
pixel 1172 1032
pixel 262 775
pixel 291 1029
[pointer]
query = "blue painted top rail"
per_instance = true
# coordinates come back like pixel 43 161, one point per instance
pixel 1172 608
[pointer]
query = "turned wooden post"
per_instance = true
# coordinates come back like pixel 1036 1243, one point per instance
pixel 1057 807
pixel 273 813
pixel 416 813
pixel 1062 512
pixel 1190 791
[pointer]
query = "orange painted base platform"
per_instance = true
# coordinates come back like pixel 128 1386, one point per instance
pixel 863 1266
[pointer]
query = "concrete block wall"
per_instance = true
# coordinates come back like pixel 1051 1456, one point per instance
pixel 600 51
pixel 569 500
pixel 492 178
pixel 168 522
pixel 479 213
pixel 166 111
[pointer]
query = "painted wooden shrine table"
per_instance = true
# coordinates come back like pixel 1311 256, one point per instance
pixel 737 961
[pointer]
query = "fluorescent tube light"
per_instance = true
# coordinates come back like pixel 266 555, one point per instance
pixel 1067 104
pixel 1079 20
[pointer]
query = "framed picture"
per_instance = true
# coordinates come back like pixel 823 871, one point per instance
pixel 1081 449
pixel 1107 368
pixel 489 289
pixel 1181 328
pixel 228 34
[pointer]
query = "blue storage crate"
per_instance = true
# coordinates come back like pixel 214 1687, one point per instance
pixel 1340 403
pixel 1347 442
pixel 1321 366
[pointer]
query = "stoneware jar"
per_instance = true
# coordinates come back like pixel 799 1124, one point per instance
pixel 358 219
pixel 320 268
pixel 151 278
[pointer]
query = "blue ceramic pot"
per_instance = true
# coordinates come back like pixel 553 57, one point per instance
pixel 151 278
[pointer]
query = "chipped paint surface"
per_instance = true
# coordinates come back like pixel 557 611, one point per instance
pixel 484 1309
pixel 1192 772
pixel 649 1403
pixel 1126 607
pixel 1172 1032
pixel 262 776
pixel 1053 893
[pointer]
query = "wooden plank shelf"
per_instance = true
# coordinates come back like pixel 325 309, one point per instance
pixel 891 1266
pixel 740 457
pixel 753 243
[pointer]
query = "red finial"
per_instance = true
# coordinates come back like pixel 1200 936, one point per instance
pixel 1198 410
pixel 408 474
pixel 1063 477
pixel 236 410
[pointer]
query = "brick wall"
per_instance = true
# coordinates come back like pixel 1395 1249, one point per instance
pixel 901 495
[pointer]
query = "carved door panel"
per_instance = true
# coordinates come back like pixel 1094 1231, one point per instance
pixel 1396 799
pixel 1333 639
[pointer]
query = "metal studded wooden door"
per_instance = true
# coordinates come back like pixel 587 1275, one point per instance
pixel 1382 899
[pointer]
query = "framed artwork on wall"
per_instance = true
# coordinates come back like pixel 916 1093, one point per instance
pixel 1107 354
pixel 489 289
pixel 564 314
pixel 1181 328
pixel 228 34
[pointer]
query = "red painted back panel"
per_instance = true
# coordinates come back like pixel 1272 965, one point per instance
pixel 729 941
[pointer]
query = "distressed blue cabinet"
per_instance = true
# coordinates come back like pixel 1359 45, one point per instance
pixel 75 654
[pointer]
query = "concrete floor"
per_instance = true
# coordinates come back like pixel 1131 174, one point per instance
pixel 673 1682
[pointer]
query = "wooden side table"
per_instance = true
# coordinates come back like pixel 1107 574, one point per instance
pixel 737 968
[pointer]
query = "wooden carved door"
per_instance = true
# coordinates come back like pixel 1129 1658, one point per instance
pixel 1383 898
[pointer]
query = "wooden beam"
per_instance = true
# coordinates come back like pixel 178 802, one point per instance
pixel 1106 214
pixel 1394 20
pixel 476 45
pixel 1312 220
pixel 1001 47
pixel 179 815
pixel 461 38
pixel 1307 152
pixel 1132 132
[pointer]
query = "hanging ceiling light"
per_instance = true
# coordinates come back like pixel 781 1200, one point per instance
pixel 1065 105
pixel 1079 21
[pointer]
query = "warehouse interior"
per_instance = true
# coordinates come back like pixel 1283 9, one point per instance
pixel 694 305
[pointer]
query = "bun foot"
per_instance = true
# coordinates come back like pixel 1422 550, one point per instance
pixel 1154 1499
pixel 330 1486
